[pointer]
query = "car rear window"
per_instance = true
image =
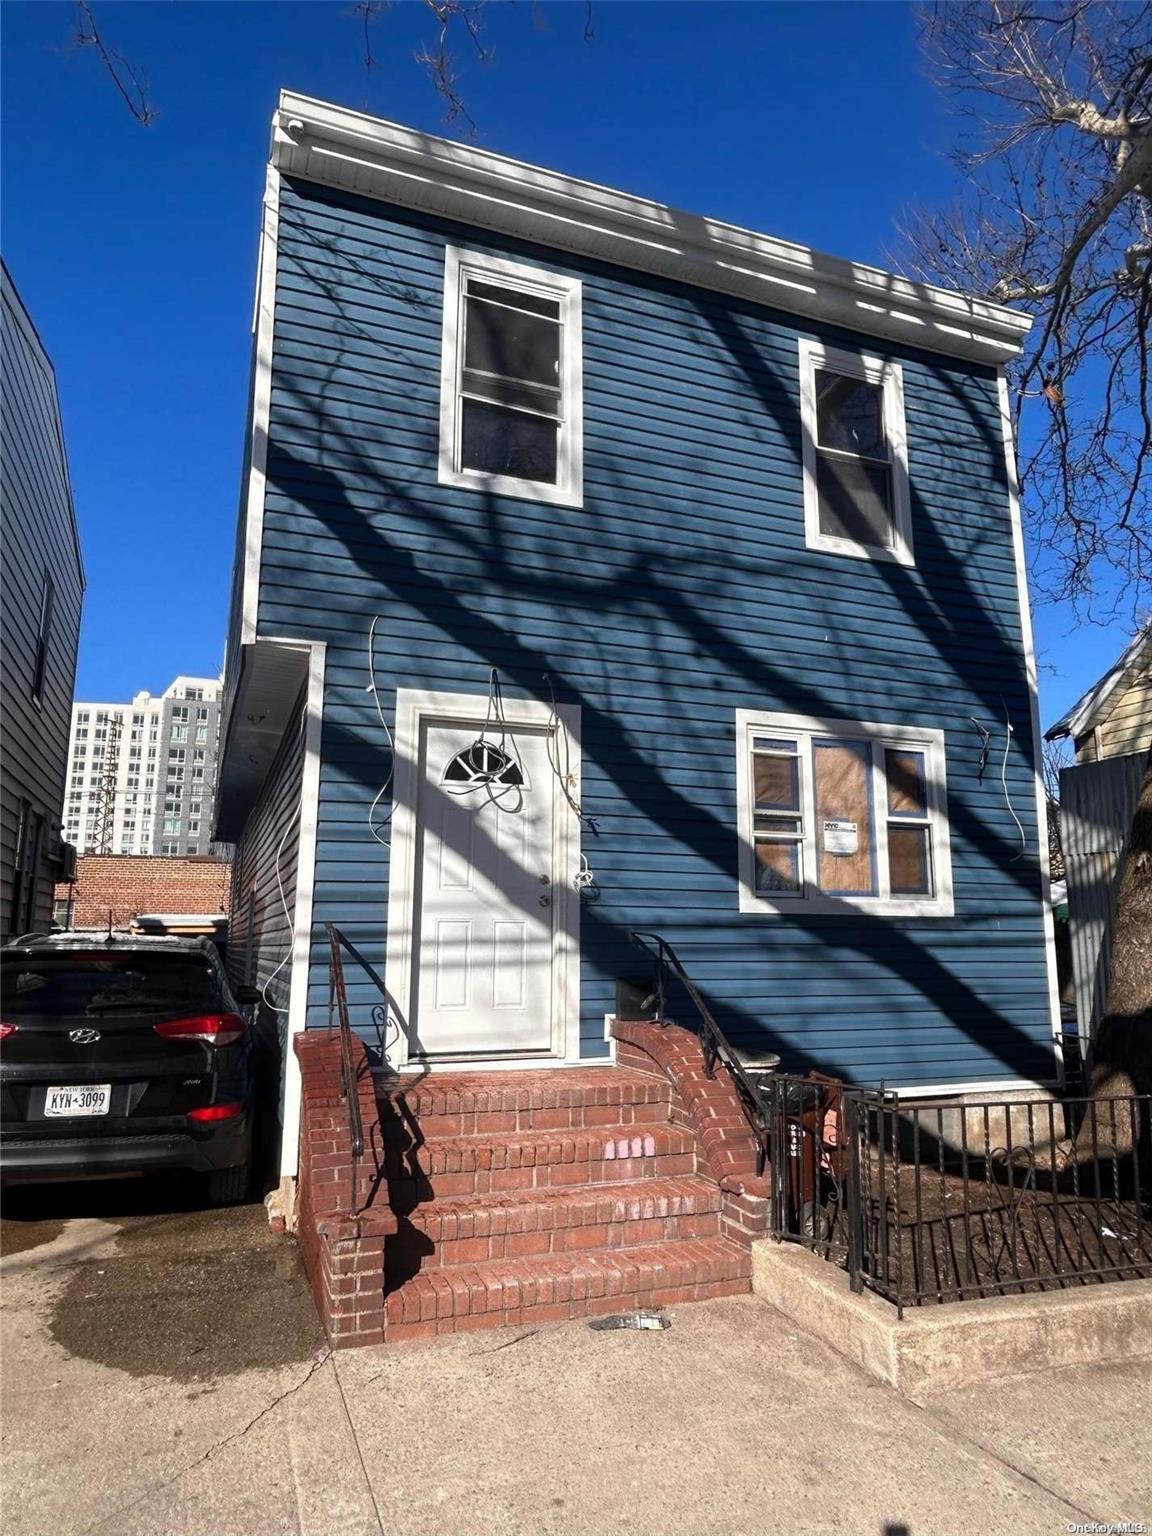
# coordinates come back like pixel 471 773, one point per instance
pixel 107 985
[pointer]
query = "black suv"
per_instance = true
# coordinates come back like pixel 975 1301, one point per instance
pixel 126 1055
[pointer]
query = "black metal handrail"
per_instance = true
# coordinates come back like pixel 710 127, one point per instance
pixel 338 1003
pixel 714 1042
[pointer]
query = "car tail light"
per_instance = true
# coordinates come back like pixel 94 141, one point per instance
pixel 215 1112
pixel 6 1030
pixel 208 1028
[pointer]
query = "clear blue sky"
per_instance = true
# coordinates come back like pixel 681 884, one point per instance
pixel 135 247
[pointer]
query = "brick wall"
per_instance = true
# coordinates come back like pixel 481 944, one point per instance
pixel 342 1235
pixel 128 884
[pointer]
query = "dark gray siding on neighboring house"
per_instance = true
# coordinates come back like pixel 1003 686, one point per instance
pixel 39 542
pixel 259 928
pixel 681 592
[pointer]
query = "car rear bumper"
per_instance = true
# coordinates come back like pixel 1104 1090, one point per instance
pixel 75 1157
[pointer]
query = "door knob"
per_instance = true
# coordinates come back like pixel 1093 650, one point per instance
pixel 545 901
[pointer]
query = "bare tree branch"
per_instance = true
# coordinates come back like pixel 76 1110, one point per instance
pixel 125 78
pixel 1056 217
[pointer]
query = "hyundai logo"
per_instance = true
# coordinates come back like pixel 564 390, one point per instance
pixel 83 1036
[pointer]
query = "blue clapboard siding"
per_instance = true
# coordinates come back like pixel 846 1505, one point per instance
pixel 681 592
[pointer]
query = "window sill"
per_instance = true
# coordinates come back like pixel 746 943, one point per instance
pixel 755 904
pixel 509 485
pixel 825 544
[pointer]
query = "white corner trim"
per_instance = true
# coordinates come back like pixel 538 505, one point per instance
pixel 1034 703
pixel 890 376
pixel 927 739
pixel 263 321
pixel 370 157
pixel 568 491
pixel 302 917
pixel 413 707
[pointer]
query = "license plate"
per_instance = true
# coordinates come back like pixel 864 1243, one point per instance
pixel 88 1099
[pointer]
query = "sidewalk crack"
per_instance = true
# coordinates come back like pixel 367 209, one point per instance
pixel 213 1450
pixel 947 1427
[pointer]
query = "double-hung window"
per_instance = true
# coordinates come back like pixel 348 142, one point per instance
pixel 841 815
pixel 855 455
pixel 511 389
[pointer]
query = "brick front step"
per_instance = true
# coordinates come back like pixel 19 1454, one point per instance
pixel 469 1229
pixel 551 1289
pixel 487 1199
pixel 476 1165
pixel 566 1098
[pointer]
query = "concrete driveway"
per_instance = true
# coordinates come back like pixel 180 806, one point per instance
pixel 163 1375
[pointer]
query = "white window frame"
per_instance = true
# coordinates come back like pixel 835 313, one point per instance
pixel 568 490
pixel 873 370
pixel 809 900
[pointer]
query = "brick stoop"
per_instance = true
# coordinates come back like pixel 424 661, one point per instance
pixel 496 1198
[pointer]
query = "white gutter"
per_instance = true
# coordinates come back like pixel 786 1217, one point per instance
pixel 336 147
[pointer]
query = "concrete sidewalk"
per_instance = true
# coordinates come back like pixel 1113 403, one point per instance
pixel 162 1376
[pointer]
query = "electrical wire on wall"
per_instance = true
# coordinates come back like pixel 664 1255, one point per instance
pixel 492 766
pixel 557 738
pixel 293 821
pixel 1004 783
pixel 985 748
pixel 387 784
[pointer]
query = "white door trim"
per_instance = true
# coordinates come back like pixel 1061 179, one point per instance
pixel 414 707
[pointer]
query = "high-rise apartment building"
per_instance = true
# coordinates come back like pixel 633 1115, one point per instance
pixel 142 776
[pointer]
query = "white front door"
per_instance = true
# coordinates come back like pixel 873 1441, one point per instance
pixel 485 898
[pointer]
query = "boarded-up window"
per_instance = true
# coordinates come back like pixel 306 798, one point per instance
pixel 843 815
pixel 844 824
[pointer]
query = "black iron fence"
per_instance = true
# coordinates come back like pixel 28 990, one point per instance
pixel 946 1202
pixel 940 1202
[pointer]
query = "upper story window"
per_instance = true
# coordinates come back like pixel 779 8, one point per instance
pixel 838 815
pixel 511 387
pixel 43 636
pixel 855 455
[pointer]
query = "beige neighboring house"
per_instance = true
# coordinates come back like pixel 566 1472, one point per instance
pixel 1111 730
pixel 1114 718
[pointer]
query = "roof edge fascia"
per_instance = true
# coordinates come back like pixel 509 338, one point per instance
pixel 369 156
pixel 1089 708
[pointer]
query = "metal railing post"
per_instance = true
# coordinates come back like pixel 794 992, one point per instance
pixel 852 1133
